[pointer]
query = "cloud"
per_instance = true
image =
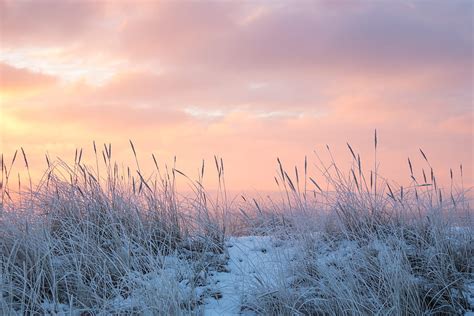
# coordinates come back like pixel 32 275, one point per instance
pixel 246 80
pixel 15 79
pixel 33 23
pixel 98 118
pixel 378 38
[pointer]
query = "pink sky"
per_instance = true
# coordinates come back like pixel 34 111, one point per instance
pixel 247 81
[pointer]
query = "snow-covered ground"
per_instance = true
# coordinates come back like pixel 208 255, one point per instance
pixel 258 261
pixel 254 264
pixel 470 297
pixel 253 260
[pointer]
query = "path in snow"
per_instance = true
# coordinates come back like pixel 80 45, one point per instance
pixel 253 260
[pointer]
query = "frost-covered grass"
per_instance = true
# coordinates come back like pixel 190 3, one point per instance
pixel 365 248
pixel 106 242
pixel 100 241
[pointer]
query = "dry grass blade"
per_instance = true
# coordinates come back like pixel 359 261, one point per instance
pixel 424 156
pixel 14 158
pixel 390 192
pixel 290 183
pixel 281 168
pixel 155 162
pixel 375 138
pixel 355 179
pixel 144 182
pixel 24 158
pixel 316 184
pixel 352 151
pixel 410 166
pixel 202 169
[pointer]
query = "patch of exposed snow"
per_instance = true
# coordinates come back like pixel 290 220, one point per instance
pixel 470 299
pixel 253 260
pixel 55 309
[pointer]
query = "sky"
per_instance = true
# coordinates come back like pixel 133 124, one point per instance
pixel 248 81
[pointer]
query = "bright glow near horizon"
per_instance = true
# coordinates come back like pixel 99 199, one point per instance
pixel 247 81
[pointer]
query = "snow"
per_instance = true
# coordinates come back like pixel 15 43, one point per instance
pixel 256 264
pixel 253 261
pixel 52 309
pixel 470 298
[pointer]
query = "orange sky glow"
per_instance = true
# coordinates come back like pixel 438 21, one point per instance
pixel 247 81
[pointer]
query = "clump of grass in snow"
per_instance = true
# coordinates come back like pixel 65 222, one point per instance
pixel 100 241
pixel 381 250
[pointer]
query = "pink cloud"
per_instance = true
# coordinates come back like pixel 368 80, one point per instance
pixel 31 23
pixel 13 79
